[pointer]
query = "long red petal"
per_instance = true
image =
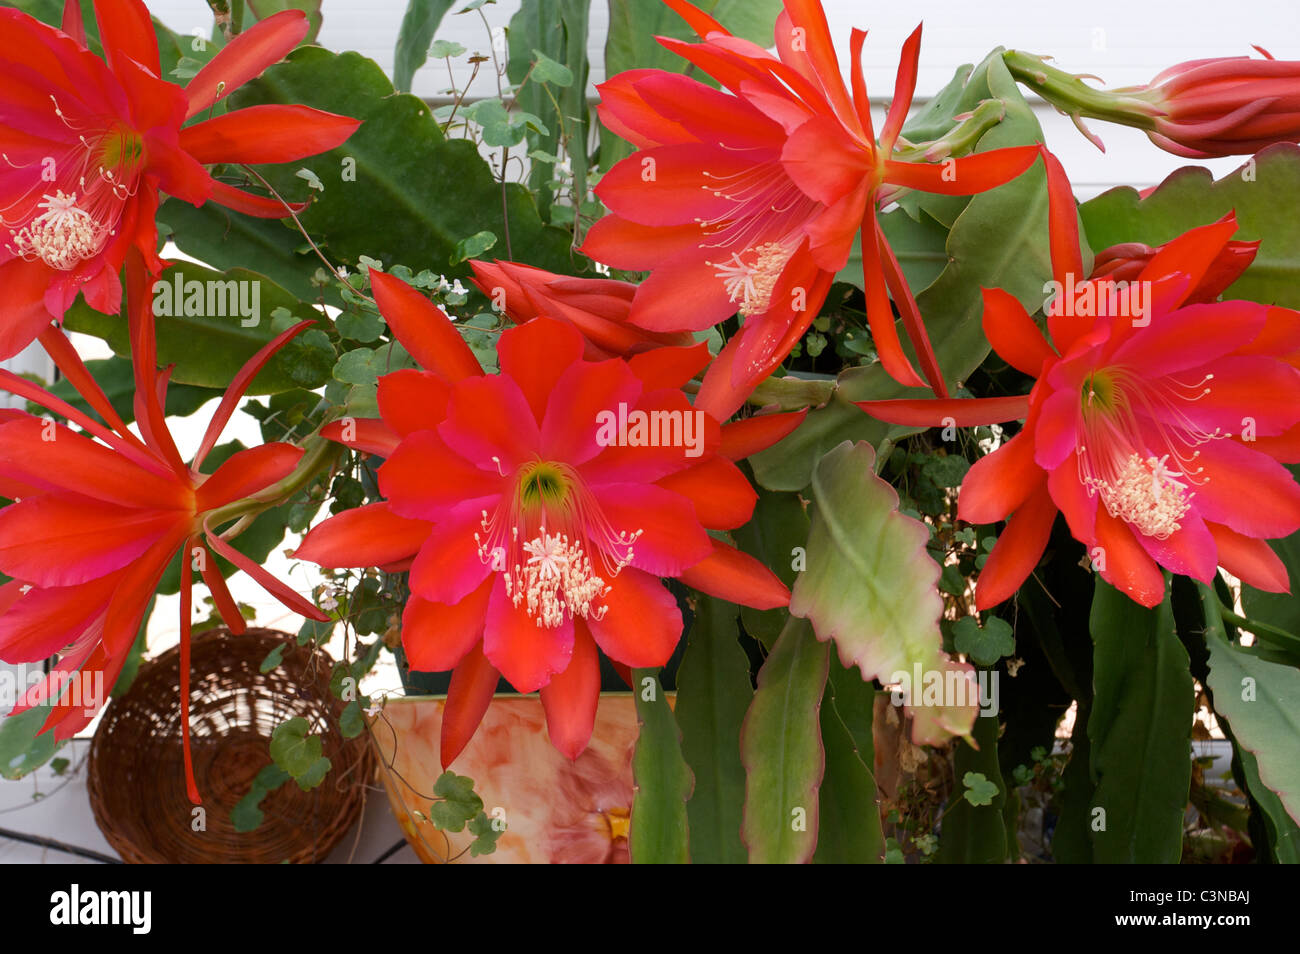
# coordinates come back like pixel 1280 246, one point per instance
pixel 737 577
pixel 268 582
pixel 913 323
pixel 126 30
pixel 472 684
pixel 366 536
pixel 186 594
pixel 965 176
pixel 750 435
pixel 952 412
pixel 1013 334
pixel 904 87
pixel 570 698
pixel 1018 549
pixel 423 328
pixel 271 133
pixel 230 400
pixel 880 316
pixel 258 206
pixel 245 57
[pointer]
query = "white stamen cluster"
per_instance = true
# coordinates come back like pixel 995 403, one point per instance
pixel 556 579
pixel 1147 495
pixel 752 284
pixel 62 236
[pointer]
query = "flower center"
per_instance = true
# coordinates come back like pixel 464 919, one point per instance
pixel 750 284
pixel 1139 447
pixel 62 236
pixel 71 208
pixel 553 545
pixel 757 226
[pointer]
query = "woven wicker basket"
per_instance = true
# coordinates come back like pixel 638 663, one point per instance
pixel 137 776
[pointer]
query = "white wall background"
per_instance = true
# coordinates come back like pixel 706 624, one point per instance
pixel 1125 42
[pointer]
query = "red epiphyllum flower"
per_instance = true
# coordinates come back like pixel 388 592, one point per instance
pixel 536 521
pixel 751 202
pixel 1157 434
pixel 100 515
pixel 598 307
pixel 1125 263
pixel 86 145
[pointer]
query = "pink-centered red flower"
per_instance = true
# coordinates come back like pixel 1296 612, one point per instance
pixel 87 144
pixel 100 514
pixel 1159 436
pixel 598 307
pixel 534 534
pixel 749 200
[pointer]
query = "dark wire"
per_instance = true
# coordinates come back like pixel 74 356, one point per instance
pixel 59 846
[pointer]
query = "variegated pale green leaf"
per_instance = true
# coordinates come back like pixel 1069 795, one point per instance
pixel 871 586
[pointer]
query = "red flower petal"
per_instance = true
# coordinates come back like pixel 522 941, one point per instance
pixel 1124 564
pixel 489 422
pixel 968 175
pixel 1018 549
pixel 583 397
pixel 468 697
pixel 957 412
pixel 737 577
pixel 62 541
pixel 1251 561
pixel 1013 334
pixel 246 472
pixel 722 497
pixel 904 88
pixel 748 436
pixel 412 400
pixel 126 31
pixel 669 367
pixel 46 620
pixel 998 484
pixel 366 434
pixel 526 654
pixel 244 57
pixel 671 539
pixel 520 349
pixel 423 328
pixel 437 636
pixel 448 566
pixel 642 622
pixel 425 480
pixel 366 536
pixel 570 698
pixel 271 133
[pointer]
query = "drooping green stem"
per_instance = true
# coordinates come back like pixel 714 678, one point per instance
pixel 1073 96
pixel 961 139
pixel 1269 634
